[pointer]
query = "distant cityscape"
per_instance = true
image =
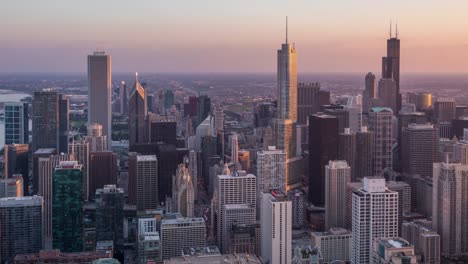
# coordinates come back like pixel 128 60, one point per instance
pixel 292 168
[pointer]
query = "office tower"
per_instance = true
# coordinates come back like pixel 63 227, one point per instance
pixel 144 170
pixel 102 171
pixel 234 148
pixel 64 123
pixel 11 187
pixel 298 199
pixel 276 228
pixel 419 148
pixel 307 101
pixel 45 120
pixel 444 109
pixel 163 131
pixel 137 113
pixel 284 131
pixel 364 154
pixel 244 159
pixel 192 106
pixel 243 238
pixel 404 198
pixel 445 130
pixel 17 162
pixel 204 129
pixel 459 126
pixel 219 119
pixel 426 241
pixel 97 141
pixel 391 65
pixel 40 153
pixel 100 91
pixel 168 99
pixel 380 122
pixel 392 250
pixel 337 176
pixel 374 214
pixel 323 147
pixel 80 150
pixel 20 226
pixel 67 212
pixel 340 113
pixel 387 94
pixel 180 233
pixel 46 167
pixel 353 107
pixel 203 108
pixel 347 149
pixel 233 215
pixel 271 170
pixel 110 202
pixel 149 103
pixel 370 88
pixel 334 244
pixel 149 241
pixel 232 189
pixel 193 170
pixel 287 81
pixel 183 199
pixel 450 182
pixel 422 101
pixel 123 95
pixel 263 114
pixel 16 123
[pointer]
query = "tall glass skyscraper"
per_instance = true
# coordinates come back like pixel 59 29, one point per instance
pixel 16 123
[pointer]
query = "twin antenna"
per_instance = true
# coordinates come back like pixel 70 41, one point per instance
pixel 390 32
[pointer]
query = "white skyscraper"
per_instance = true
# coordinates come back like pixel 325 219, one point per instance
pixel 182 199
pixel 449 203
pixel 337 176
pixel 374 215
pixel 100 91
pixel 380 122
pixel 234 189
pixel 271 170
pixel 276 228
pixel 180 233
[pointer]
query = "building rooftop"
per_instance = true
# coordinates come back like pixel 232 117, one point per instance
pixel 183 220
pixel 237 258
pixel 146 158
pixel 238 206
pixel 201 251
pixel 396 242
pixel 334 231
pixel 278 196
pixel 45 151
pixel 381 109
pixel 21 201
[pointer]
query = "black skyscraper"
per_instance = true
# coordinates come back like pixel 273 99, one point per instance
pixel 323 147
pixel 17 162
pixel 203 108
pixel 391 63
pixel 64 109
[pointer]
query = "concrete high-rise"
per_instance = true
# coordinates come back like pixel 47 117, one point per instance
pixel 380 122
pixel 444 109
pixel 67 211
pixel 123 96
pixel 100 91
pixel 450 182
pixel 102 171
pixel 97 141
pixel 234 148
pixel 137 113
pixel 16 123
pixel 235 214
pixel 323 147
pixel 276 228
pixel 391 64
pixel 271 170
pixel 374 215
pixel 334 244
pixel 144 168
pixel 20 226
pixel 232 189
pixel 180 233
pixel 419 149
pixel 337 176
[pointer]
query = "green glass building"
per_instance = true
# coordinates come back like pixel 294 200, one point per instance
pixel 67 212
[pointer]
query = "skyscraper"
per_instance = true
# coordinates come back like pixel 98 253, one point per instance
pixel 17 162
pixel 450 182
pixel 67 211
pixel 380 122
pixel 123 95
pixel 137 113
pixel 102 171
pixel 203 108
pixel 364 154
pixel 422 101
pixel 285 136
pixel 100 91
pixel 387 94
pixel 287 81
pixel 234 148
pixel 16 123
pixel 391 64
pixel 144 168
pixel 271 170
pixel 370 89
pixel 337 176
pixel 11 187
pixel 308 101
pixel 183 199
pixel 20 226
pixel 180 233
pixel 323 147
pixel 374 215
pixel 444 109
pixel 97 141
pixel 40 153
pixel 276 228
pixel 80 150
pixel 347 149
pixel 45 120
pixel 64 123
pixel 419 149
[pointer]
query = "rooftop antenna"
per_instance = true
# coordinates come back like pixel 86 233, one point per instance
pixel 390 28
pixel 286 29
pixel 396 29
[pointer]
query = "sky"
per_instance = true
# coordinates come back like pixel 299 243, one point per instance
pixel 206 36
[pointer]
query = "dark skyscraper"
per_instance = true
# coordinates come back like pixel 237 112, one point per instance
pixel 347 149
pixel 45 120
pixel 391 64
pixel 102 170
pixel 163 131
pixel 309 100
pixel 64 123
pixel 17 162
pixel 419 148
pixel 192 106
pixel 203 108
pixel 100 91
pixel 123 95
pixel 323 147
pixel 137 113
pixel 364 154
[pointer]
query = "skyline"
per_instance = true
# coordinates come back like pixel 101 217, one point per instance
pixel 160 36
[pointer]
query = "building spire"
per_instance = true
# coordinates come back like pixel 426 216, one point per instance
pixel 390 32
pixel 286 29
pixel 396 29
